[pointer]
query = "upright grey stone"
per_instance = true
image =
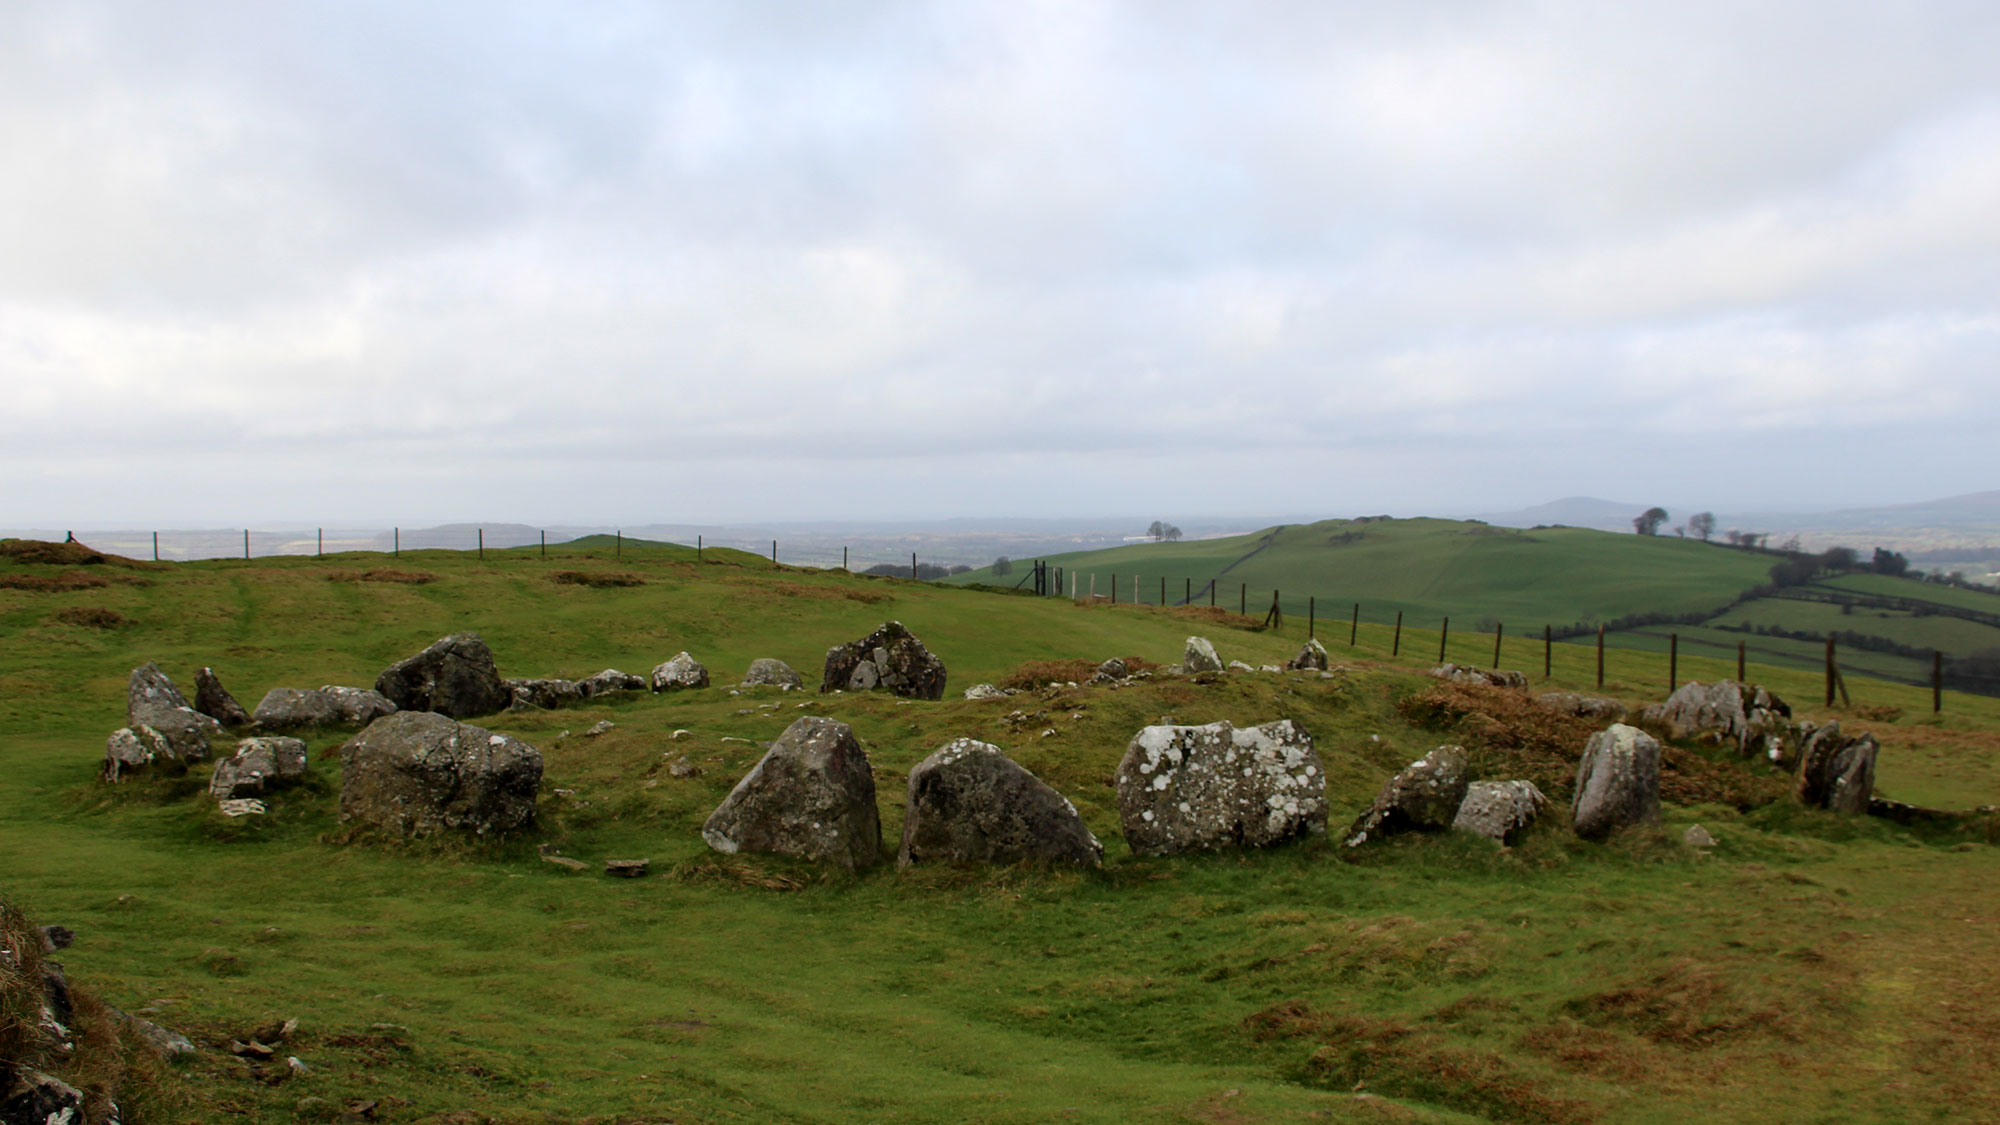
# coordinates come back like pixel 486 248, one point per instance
pixel 1424 795
pixel 1199 656
pixel 152 699
pixel 1837 772
pixel 811 796
pixel 455 676
pixel 891 658
pixel 1617 782
pixel 214 700
pixel 1499 810
pixel 970 803
pixel 1188 788
pixel 417 772
pixel 1312 657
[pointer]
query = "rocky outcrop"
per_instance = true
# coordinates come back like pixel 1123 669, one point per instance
pixel 141 749
pixel 1617 782
pixel 768 671
pixel 1311 657
pixel 1197 655
pixel 418 772
pixel 1466 674
pixel 152 700
pixel 455 676
pixel 329 706
pixel 683 671
pixel 1110 672
pixel 1424 795
pixel 1582 706
pixel 1499 810
pixel 214 700
pixel 1836 772
pixel 258 766
pixel 1743 716
pixel 890 659
pixel 811 796
pixel 1189 788
pixel 970 803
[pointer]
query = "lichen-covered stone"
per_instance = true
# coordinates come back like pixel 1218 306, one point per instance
pixel 766 671
pixel 811 796
pixel 1466 674
pixel 890 659
pixel 1746 717
pixel 455 676
pixel 1191 788
pixel 418 772
pixel 970 803
pixel 1424 795
pixel 1836 772
pixel 329 706
pixel 258 766
pixel 1617 782
pixel 151 699
pixel 543 694
pixel 1499 810
pixel 140 748
pixel 214 700
pixel 1197 655
pixel 983 692
pixel 682 671
pixel 1312 657
pixel 608 682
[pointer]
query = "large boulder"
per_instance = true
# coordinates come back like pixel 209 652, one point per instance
pixel 1311 657
pixel 151 699
pixel 683 671
pixel 1467 674
pixel 1499 809
pixel 1617 782
pixel 811 796
pixel 890 658
pixel 214 700
pixel 141 748
pixel 258 766
pixel 1743 716
pixel 417 772
pixel 1424 795
pixel 1189 788
pixel 1199 656
pixel 1837 772
pixel 329 706
pixel 766 671
pixel 970 803
pixel 455 676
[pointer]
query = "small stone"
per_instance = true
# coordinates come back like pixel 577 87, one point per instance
pixel 603 726
pixel 682 768
pixel 1697 837
pixel 680 672
pixel 565 861
pixel 626 868
pixel 242 806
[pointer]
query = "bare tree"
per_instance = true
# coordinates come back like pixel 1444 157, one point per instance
pixel 1702 524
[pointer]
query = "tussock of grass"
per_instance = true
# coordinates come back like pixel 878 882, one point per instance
pixel 596 579
pixel 93 617
pixel 400 577
pixel 53 583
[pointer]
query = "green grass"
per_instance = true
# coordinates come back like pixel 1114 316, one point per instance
pixel 1811 968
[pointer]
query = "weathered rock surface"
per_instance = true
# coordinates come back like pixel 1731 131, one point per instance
pixel 1744 716
pixel 1424 795
pixel 214 700
pixel 138 749
pixel 543 694
pixel 1697 837
pixel 259 766
pixel 1199 656
pixel 683 671
pixel 984 691
pixel 1312 657
pixel 1617 782
pixel 1837 772
pixel 1499 809
pixel 152 699
pixel 608 682
pixel 1241 666
pixel 34 1098
pixel 1466 674
pixel 770 671
pixel 1110 672
pixel 1189 788
pixel 1584 706
pixel 417 772
pixel 970 803
pixel 891 658
pixel 455 676
pixel 329 706
pixel 811 796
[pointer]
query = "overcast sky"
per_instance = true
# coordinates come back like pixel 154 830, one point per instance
pixel 567 263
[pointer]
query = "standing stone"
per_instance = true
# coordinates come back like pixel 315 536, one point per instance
pixel 683 671
pixel 1617 782
pixel 1311 657
pixel 1186 788
pixel 770 671
pixel 455 676
pixel 152 699
pixel 811 796
pixel 416 772
pixel 1425 795
pixel 1199 656
pixel 890 658
pixel 1836 772
pixel 970 803
pixel 329 706
pixel 259 765
pixel 214 700
pixel 1499 809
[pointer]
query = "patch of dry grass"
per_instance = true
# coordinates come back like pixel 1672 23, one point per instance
pixel 400 577
pixel 596 579
pixel 93 617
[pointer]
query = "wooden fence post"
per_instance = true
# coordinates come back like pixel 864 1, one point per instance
pixel 1673 662
pixel 1498 629
pixel 1937 681
pixel 913 565
pixel 482 544
pixel 1187 592
pixel 396 543
pixel 319 540
pixel 843 558
pixel 1163 591
pixel 545 542
pixel 1354 625
pixel 1444 634
pixel 1396 644
pixel 1243 599
pixel 1311 612
pixel 246 543
pixel 1739 661
pixel 1600 656
pixel 1211 593
pixel 1829 671
pixel 156 546
pixel 1114 587
pixel 1548 649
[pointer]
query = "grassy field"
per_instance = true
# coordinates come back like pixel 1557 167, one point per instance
pixel 1807 968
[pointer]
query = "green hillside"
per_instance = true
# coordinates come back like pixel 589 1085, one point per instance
pixel 1427 978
